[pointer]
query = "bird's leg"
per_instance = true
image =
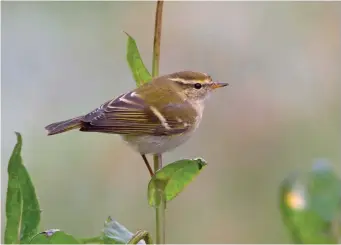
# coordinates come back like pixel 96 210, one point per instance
pixel 147 164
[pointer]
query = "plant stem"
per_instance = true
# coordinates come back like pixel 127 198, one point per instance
pixel 139 236
pixel 160 210
pixel 157 38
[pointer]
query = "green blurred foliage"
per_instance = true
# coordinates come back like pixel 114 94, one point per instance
pixel 53 237
pixel 311 205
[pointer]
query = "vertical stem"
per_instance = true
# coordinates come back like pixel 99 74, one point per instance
pixel 157 38
pixel 157 161
pixel 160 211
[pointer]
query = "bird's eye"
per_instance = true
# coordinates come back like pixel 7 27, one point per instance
pixel 198 85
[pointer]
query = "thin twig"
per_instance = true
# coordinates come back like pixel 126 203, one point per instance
pixel 141 235
pixel 150 170
pixel 157 38
pixel 160 211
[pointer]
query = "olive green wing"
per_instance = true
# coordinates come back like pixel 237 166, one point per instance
pixel 129 114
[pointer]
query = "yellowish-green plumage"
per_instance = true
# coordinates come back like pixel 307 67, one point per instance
pixel 153 118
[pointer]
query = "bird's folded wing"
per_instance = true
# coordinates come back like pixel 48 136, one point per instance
pixel 129 114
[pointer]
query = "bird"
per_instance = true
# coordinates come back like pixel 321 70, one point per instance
pixel 154 118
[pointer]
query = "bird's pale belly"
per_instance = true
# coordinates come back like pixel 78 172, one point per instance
pixel 156 144
pixel 149 144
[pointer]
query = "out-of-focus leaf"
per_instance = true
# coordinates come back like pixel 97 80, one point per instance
pixel 169 181
pixel 53 236
pixel 93 240
pixel 102 239
pixel 140 72
pixel 98 240
pixel 311 205
pixel 114 232
pixel 22 207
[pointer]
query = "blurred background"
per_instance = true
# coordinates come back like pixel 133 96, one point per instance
pixel 280 112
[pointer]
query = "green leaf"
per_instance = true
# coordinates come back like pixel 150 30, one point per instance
pixel 311 205
pixel 137 67
pixel 169 181
pixel 96 240
pixel 22 207
pixel 99 240
pixel 53 236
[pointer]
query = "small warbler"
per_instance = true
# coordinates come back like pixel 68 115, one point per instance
pixel 153 118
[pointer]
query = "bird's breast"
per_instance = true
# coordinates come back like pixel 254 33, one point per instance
pixel 150 144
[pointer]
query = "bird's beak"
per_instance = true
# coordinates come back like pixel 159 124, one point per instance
pixel 218 85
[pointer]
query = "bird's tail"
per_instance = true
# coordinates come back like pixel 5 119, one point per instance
pixel 63 126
